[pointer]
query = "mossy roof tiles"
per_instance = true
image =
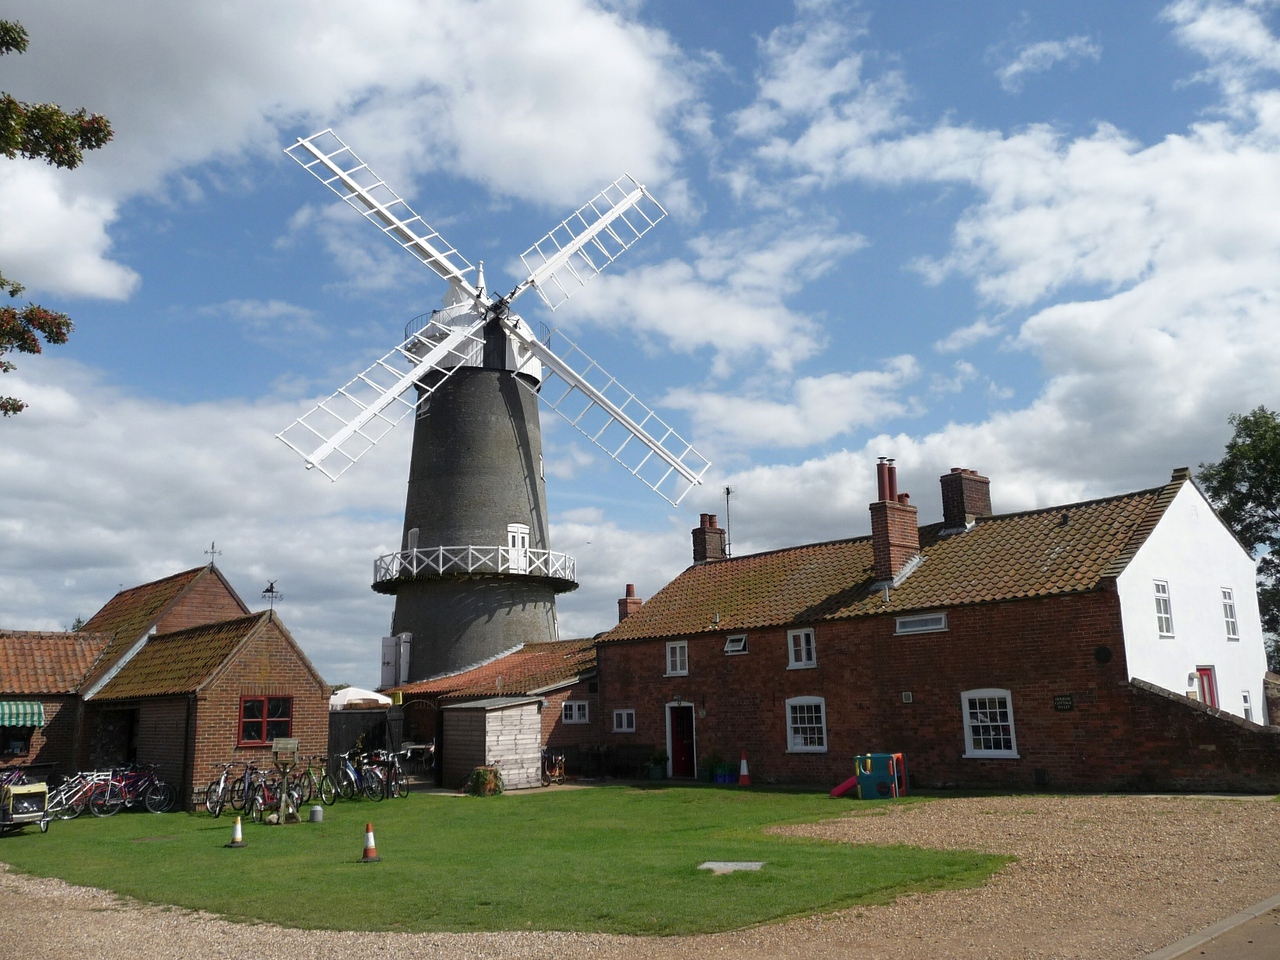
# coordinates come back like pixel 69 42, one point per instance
pixel 1036 553
pixel 130 613
pixel 535 666
pixel 182 661
pixel 35 662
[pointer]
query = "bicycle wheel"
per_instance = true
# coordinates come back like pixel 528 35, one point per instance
pixel 236 797
pixel 70 808
pixel 304 787
pixel 374 783
pixel 160 797
pixel 257 808
pixel 399 783
pixel 107 799
pixel 214 801
pixel 328 789
pixel 346 784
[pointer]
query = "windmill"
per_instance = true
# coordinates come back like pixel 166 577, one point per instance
pixel 475 575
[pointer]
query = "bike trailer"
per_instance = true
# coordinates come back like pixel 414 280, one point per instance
pixel 22 804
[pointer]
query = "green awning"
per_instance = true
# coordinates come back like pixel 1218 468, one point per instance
pixel 21 713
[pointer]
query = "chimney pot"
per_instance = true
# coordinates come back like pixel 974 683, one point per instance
pixel 631 589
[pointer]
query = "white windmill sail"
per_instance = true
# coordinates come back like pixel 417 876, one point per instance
pixel 336 165
pixel 587 242
pixel 613 419
pixel 349 423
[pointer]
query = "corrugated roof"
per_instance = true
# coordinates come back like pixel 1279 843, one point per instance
pixel 34 662
pixel 130 613
pixel 535 666
pixel 182 661
pixel 1036 553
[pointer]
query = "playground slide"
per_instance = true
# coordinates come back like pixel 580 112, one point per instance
pixel 850 784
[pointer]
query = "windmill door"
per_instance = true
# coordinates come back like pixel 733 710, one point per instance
pixel 518 548
pixel 680 738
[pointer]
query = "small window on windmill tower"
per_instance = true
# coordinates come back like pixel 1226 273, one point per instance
pixel 518 547
pixel 411 540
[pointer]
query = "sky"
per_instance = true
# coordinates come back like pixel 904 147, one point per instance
pixel 1039 240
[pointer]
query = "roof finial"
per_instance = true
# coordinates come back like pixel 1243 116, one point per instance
pixel 212 552
pixel 271 595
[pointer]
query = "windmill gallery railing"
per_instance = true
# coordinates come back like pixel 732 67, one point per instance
pixel 446 561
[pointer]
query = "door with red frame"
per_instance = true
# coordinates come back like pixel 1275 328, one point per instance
pixel 1205 686
pixel 680 733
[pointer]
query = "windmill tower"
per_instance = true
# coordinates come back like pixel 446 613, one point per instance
pixel 475 575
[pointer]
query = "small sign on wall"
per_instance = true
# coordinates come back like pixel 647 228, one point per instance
pixel 1064 702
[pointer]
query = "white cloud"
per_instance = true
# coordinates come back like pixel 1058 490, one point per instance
pixel 819 408
pixel 731 298
pixel 1042 56
pixel 414 89
pixel 981 329
pixel 271 322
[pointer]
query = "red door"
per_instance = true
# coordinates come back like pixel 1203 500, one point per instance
pixel 681 720
pixel 1208 689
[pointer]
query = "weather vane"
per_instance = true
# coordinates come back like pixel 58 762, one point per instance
pixel 271 595
pixel 212 552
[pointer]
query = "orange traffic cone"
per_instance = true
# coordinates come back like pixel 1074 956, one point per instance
pixel 237 836
pixel 370 848
pixel 744 777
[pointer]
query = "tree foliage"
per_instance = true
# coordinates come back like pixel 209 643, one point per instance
pixel 1245 487
pixel 37 131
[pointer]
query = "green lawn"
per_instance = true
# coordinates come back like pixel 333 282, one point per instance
pixel 610 859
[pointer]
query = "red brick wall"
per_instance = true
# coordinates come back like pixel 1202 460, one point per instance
pixel 1037 649
pixel 206 601
pixel 267 667
pixel 54 743
pixel 578 742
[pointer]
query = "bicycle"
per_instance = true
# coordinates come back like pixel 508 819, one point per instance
pixel 129 786
pixel 552 768
pixel 310 784
pixel 363 778
pixel 219 791
pixel 391 772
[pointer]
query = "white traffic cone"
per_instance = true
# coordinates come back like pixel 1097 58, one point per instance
pixel 744 777
pixel 370 848
pixel 237 836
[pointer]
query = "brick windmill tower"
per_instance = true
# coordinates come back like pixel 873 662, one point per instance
pixel 475 575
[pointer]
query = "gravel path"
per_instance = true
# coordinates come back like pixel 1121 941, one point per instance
pixel 1098 878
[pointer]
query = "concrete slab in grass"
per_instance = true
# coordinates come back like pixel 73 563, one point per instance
pixel 729 866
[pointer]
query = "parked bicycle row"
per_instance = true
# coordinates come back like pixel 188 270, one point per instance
pixel 242 786
pixel 106 792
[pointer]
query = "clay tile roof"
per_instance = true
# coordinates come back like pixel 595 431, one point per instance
pixel 33 662
pixel 180 662
pixel 535 666
pixel 1036 553
pixel 130 613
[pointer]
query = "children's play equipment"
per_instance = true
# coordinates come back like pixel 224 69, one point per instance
pixel 879 776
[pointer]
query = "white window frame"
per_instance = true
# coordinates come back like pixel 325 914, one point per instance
pixel 981 697
pixel 1232 622
pixel 575 711
pixel 1248 705
pixel 677 659
pixel 921 623
pixel 820 728
pixel 1164 609
pixel 624 721
pixel 802 649
pixel 735 644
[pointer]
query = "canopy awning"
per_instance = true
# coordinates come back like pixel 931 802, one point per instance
pixel 21 713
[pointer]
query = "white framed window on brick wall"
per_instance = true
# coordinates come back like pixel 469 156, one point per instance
pixel 575 711
pixel 1164 609
pixel 988 723
pixel 1229 614
pixel 624 721
pixel 925 623
pixel 806 725
pixel 677 658
pixel 802 651
pixel 1248 705
pixel 736 643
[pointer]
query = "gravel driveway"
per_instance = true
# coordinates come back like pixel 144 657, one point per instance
pixel 1098 877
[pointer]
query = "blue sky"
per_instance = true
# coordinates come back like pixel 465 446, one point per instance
pixel 1035 239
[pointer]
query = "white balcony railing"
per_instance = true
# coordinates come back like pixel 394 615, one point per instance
pixel 442 561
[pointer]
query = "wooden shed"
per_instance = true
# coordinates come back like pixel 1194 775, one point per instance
pixel 501 731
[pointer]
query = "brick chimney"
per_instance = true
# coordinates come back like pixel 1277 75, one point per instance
pixel 965 497
pixel 895 535
pixel 708 540
pixel 628 604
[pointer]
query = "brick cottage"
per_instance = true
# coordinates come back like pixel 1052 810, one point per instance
pixel 1110 644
